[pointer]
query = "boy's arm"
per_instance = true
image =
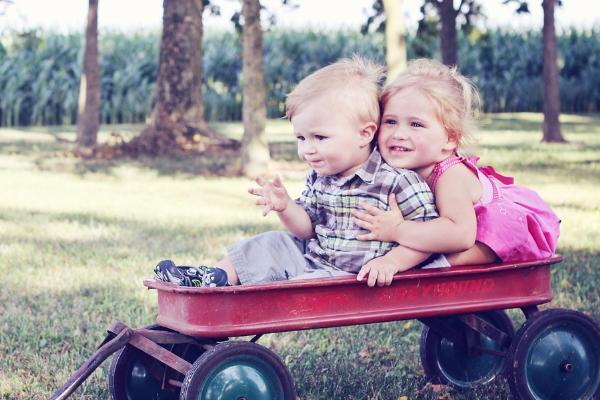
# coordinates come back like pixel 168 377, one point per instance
pixel 296 220
pixel 381 270
pixel 273 196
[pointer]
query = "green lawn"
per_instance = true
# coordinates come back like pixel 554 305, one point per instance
pixel 77 238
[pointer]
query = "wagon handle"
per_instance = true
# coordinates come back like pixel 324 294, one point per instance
pixel 90 365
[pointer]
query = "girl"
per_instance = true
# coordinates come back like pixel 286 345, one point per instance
pixel 428 114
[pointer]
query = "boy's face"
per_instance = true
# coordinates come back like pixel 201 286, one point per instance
pixel 411 135
pixel 331 141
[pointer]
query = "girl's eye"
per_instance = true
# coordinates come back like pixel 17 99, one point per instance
pixel 300 137
pixel 416 124
pixel 320 137
pixel 390 121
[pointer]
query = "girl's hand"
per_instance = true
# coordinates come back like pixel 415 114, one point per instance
pixel 380 271
pixel 382 225
pixel 272 195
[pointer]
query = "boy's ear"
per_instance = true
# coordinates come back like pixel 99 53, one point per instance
pixel 367 133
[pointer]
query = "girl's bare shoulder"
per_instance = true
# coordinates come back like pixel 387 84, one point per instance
pixel 459 176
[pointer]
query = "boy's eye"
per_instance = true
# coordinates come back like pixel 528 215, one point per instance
pixel 320 137
pixel 300 137
pixel 416 124
pixel 390 121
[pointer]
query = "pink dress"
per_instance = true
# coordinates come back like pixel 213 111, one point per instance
pixel 512 220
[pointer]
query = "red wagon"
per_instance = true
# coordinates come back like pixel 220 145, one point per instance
pixel 467 340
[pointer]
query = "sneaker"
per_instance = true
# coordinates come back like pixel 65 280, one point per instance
pixel 185 275
pixel 167 271
pixel 214 276
pixel 204 276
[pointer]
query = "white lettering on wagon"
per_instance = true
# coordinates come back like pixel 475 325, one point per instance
pixel 447 289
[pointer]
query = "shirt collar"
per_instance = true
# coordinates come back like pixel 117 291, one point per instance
pixel 366 172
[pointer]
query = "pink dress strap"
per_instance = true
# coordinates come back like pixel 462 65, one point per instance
pixel 490 171
pixel 451 161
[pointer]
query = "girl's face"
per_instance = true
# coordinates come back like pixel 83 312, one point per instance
pixel 411 136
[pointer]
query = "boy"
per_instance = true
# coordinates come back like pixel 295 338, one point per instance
pixel 335 113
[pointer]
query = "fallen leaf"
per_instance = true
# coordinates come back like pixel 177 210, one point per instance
pixel 364 353
pixel 437 388
pixel 65 347
pixel 565 284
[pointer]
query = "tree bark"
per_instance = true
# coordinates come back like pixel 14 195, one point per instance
pixel 551 125
pixel 395 38
pixel 448 31
pixel 177 119
pixel 255 150
pixel 88 113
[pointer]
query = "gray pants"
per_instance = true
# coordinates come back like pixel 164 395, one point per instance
pixel 275 256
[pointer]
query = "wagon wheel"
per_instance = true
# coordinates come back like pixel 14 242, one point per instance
pixel 238 370
pixel 556 355
pixel 452 364
pixel 134 375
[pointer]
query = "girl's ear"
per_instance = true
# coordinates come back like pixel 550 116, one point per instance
pixel 452 143
pixel 367 133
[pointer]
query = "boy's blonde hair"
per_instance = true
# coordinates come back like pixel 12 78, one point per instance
pixel 454 96
pixel 356 83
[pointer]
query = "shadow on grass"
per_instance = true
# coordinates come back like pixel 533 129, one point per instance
pixel 123 238
pixel 53 155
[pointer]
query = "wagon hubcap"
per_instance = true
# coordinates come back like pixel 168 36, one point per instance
pixel 562 363
pixel 465 370
pixel 142 386
pixel 242 378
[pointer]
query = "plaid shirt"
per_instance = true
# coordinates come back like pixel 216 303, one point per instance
pixel 329 201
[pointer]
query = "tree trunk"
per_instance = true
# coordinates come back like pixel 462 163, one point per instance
pixel 88 113
pixel 551 127
pixel 448 31
pixel 255 150
pixel 395 38
pixel 177 120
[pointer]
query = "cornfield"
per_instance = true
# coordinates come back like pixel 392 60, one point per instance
pixel 39 71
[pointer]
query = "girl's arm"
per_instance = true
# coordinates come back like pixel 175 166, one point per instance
pixel 381 270
pixel 454 230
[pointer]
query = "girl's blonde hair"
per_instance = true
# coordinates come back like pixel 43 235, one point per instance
pixel 455 97
pixel 354 82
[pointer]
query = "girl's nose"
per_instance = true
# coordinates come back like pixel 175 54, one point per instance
pixel 399 134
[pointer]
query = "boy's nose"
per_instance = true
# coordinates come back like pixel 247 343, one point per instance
pixel 310 148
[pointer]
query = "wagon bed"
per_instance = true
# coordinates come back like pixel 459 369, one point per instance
pixel 340 301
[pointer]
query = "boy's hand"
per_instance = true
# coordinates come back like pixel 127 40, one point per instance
pixel 272 195
pixel 382 225
pixel 380 271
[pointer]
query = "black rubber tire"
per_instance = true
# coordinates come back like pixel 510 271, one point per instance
pixel 536 328
pixel 429 349
pixel 124 360
pixel 219 355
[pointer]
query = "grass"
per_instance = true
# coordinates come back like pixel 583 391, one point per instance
pixel 77 238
